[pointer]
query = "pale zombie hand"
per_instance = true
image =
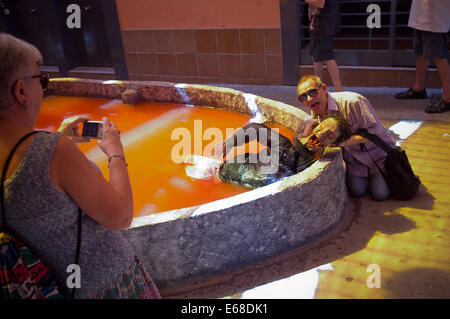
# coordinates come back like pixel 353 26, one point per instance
pixel 219 151
pixel 210 172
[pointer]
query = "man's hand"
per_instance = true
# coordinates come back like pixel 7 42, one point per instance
pixel 309 128
pixel 317 3
pixel 69 128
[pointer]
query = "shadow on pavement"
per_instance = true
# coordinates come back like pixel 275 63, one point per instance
pixel 426 283
pixel 365 218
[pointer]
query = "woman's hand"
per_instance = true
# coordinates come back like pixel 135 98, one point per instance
pixel 69 128
pixel 110 142
pixel 108 203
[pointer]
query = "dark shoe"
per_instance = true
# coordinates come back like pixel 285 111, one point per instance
pixel 411 94
pixel 438 107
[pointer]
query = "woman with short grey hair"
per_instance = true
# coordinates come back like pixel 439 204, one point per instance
pixel 49 178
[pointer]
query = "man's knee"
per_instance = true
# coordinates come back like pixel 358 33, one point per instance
pixel 378 188
pixel 356 192
pixel 380 195
pixel 356 185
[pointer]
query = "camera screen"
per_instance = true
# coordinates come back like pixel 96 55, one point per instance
pixel 90 129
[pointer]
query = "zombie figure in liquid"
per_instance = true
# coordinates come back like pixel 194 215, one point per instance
pixel 281 158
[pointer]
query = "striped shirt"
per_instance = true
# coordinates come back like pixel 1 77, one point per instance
pixel 359 113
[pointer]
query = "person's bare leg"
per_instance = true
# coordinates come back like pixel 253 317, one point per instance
pixel 335 75
pixel 421 70
pixel 444 75
pixel 318 69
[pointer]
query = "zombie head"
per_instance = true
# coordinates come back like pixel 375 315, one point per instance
pixel 332 131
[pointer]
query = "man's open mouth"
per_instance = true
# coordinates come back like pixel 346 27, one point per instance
pixel 315 105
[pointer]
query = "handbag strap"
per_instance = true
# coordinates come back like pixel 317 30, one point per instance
pixel 363 146
pixel 375 139
pixel 2 204
pixel 5 169
pixel 379 142
pixel 78 251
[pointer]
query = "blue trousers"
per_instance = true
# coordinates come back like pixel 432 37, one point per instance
pixel 357 186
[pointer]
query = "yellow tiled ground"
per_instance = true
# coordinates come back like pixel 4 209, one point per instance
pixel 409 241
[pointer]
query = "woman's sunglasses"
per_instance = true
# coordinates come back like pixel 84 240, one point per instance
pixel 311 93
pixel 43 78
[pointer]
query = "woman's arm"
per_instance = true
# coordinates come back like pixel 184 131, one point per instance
pixel 108 203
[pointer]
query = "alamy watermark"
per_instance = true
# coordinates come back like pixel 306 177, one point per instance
pixel 373 280
pixel 74 279
pixel 268 157
pixel 73 21
pixel 374 19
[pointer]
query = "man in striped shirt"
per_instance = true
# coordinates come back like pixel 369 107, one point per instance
pixel 361 172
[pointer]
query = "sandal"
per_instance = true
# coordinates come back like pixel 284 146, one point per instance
pixel 438 107
pixel 411 94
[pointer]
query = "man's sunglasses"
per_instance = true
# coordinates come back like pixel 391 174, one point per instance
pixel 43 78
pixel 311 93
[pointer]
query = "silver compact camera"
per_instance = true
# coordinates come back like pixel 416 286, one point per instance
pixel 92 129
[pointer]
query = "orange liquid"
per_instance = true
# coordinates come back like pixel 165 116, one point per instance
pixel 159 184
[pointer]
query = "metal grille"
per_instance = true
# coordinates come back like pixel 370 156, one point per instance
pixel 357 44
